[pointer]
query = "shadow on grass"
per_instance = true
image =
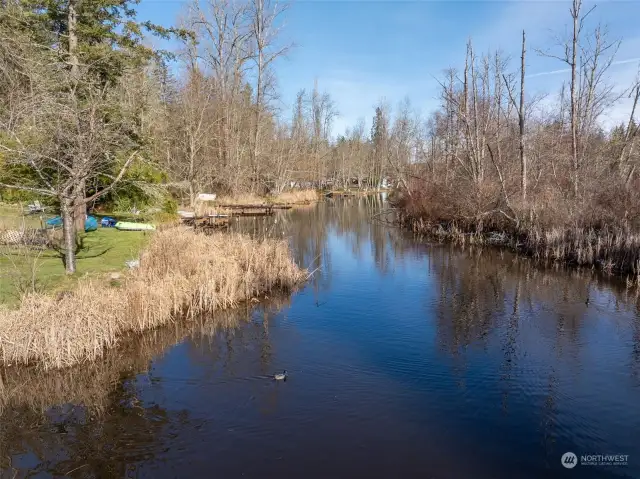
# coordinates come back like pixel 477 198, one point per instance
pixel 80 248
pixel 102 251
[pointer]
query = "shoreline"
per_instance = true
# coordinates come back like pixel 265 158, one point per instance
pixel 181 275
pixel 90 383
pixel 609 252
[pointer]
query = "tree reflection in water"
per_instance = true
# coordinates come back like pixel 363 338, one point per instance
pixel 90 421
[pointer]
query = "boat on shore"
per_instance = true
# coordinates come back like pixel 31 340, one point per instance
pixel 130 226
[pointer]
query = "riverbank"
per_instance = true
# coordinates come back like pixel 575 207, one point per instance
pixel 352 192
pixel 35 391
pixel 611 247
pixel 181 274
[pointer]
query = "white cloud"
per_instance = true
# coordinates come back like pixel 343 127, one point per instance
pixel 635 61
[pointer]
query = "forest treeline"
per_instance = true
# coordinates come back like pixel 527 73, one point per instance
pixel 90 113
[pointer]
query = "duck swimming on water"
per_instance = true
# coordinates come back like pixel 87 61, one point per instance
pixel 281 376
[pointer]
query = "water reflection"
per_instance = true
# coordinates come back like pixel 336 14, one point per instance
pixel 92 421
pixel 404 356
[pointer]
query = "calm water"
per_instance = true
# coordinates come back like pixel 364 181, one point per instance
pixel 405 360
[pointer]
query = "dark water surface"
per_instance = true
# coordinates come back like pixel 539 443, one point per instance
pixel 405 359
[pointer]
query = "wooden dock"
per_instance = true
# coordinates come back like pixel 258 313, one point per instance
pixel 253 210
pixel 282 207
pixel 207 223
pixel 220 220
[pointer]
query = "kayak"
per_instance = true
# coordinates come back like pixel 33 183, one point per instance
pixel 128 226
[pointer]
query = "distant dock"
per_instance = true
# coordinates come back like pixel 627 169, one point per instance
pixel 253 210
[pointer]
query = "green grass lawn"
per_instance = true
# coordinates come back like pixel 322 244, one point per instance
pixel 104 250
pixel 12 217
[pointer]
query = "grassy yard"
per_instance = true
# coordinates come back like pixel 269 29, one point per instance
pixel 103 251
pixel 12 217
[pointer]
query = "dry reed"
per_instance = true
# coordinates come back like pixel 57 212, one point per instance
pixel 608 249
pixel 241 199
pixel 294 197
pixel 291 197
pixel 181 273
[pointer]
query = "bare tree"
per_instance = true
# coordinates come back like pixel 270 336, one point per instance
pixel 264 15
pixel 521 120
pixel 588 95
pixel 322 113
pixel 521 124
pixel 223 33
pixel 79 146
pixel 71 129
pixel 196 125
pixel 402 143
pixel 571 59
pixel 630 135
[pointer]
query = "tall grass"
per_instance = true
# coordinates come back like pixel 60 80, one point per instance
pixel 91 384
pixel 241 199
pixel 181 274
pixel 290 197
pixel 296 197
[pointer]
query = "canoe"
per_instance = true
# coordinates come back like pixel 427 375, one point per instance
pixel 128 226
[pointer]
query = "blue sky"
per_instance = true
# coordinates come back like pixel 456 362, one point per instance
pixel 362 51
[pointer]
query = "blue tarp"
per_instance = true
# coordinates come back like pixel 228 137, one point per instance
pixel 90 224
pixel 53 222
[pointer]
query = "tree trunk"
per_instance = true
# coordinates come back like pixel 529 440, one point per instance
pixel 630 176
pixel 631 130
pixel 78 210
pixel 256 133
pixel 575 13
pixel 69 232
pixel 192 194
pixel 80 207
pixel 191 173
pixel 523 157
pixel 72 22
